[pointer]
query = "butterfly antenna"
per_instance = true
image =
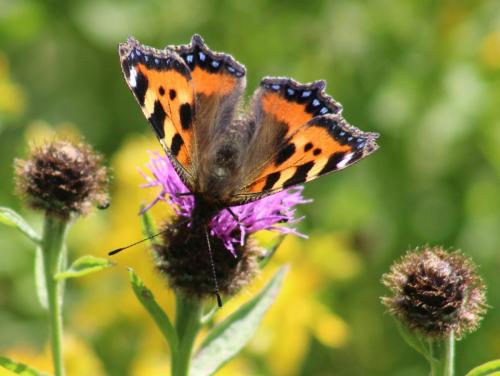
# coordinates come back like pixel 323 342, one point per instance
pixel 214 275
pixel 115 251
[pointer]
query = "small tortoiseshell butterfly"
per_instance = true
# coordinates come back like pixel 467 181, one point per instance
pixel 291 134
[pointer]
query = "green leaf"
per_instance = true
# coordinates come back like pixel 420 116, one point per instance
pixel 270 252
pixel 415 341
pixel 13 219
pixel 84 265
pixel 41 286
pixel 19 368
pixel 230 336
pixel 159 316
pixel 147 225
pixel 487 369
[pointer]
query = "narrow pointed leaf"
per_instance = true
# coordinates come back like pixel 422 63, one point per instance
pixel 159 316
pixel 19 368
pixel 148 227
pixel 270 252
pixel 487 369
pixel 230 336
pixel 414 341
pixel 13 219
pixel 83 266
pixel 41 287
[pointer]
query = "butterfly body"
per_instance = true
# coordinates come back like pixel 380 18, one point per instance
pixel 290 134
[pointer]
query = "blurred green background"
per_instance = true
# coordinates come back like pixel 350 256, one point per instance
pixel 425 74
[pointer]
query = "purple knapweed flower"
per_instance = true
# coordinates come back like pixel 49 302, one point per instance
pixel 267 213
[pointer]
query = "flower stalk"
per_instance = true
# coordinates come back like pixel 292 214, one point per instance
pixel 54 260
pixel 188 323
pixel 442 353
pixel 438 297
pixel 64 180
pixel 199 262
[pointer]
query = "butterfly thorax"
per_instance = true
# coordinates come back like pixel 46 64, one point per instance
pixel 219 173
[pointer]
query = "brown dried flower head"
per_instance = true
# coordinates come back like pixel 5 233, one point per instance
pixel 183 258
pixel 62 178
pixel 435 292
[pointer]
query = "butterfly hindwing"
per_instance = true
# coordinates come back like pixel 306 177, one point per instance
pixel 325 144
pixel 162 84
pixel 280 106
pixel 301 135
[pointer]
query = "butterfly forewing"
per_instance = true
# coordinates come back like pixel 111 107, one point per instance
pixel 218 82
pixel 162 84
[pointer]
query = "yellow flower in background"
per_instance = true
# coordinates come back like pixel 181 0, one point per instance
pixel 79 358
pixel 39 131
pixel 12 98
pixel 314 263
pixel 298 312
pixel 490 50
pixel 108 299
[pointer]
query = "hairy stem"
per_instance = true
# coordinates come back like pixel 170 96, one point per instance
pixel 54 256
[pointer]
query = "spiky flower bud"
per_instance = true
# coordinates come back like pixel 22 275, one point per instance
pixel 183 258
pixel 62 178
pixel 435 292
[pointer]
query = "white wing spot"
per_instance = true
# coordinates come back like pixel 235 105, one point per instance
pixel 133 77
pixel 344 161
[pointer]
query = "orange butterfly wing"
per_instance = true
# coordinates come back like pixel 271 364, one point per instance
pixel 306 134
pixel 189 95
pixel 218 82
pixel 162 84
pixel 213 73
pixel 326 143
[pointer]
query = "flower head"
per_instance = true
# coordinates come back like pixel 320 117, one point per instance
pixel 264 214
pixel 183 257
pixel 62 178
pixel 435 292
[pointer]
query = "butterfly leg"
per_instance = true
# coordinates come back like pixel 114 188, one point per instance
pixel 181 194
pixel 235 217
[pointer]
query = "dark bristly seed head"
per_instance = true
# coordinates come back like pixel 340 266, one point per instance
pixel 62 178
pixel 435 292
pixel 183 258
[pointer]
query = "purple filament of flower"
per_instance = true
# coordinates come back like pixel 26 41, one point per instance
pixel 264 214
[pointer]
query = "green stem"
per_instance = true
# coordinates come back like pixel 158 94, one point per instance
pixel 187 324
pixel 443 356
pixel 54 258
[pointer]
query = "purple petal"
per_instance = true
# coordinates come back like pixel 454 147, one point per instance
pixel 265 214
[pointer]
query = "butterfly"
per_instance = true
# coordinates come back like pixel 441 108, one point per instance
pixel 291 133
